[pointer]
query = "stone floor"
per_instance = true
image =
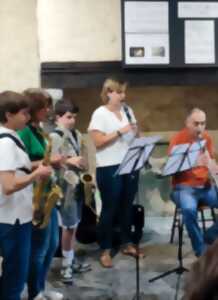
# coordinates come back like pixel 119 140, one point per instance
pixel 120 281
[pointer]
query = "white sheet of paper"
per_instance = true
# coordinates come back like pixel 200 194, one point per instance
pixel 173 164
pixel 198 145
pixel 146 17
pixel 177 149
pixel 147 29
pixel 195 9
pixel 137 154
pixel 199 42
pixel 156 48
pixel 144 157
pixel 142 141
pixel 176 161
pixel 129 162
pixel 190 161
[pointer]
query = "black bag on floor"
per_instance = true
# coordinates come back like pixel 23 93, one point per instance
pixel 86 231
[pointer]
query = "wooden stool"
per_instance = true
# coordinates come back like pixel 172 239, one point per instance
pixel 203 219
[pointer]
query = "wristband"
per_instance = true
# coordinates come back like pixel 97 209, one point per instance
pixel 119 133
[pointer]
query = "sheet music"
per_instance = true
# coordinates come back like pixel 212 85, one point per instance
pixel 129 162
pixel 177 149
pixel 183 157
pixel 173 164
pixel 143 141
pixel 144 156
pixel 137 155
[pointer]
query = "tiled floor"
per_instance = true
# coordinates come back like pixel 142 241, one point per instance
pixel 120 281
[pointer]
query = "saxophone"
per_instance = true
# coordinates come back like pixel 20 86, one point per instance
pixel 86 178
pixel 46 193
pixel 81 182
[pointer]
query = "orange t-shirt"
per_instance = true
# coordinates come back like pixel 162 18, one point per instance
pixel 197 176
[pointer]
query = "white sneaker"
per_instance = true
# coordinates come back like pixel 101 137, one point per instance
pixel 67 275
pixel 53 295
pixel 40 296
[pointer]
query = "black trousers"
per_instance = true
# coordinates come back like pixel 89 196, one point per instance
pixel 117 195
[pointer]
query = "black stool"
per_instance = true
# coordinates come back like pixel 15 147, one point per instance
pixel 203 219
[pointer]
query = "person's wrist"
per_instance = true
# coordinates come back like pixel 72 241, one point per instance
pixel 119 133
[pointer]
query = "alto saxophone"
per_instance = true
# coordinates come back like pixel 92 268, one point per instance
pixel 46 193
pixel 76 177
pixel 86 178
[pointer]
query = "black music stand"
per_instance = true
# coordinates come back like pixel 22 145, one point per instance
pixel 136 157
pixel 182 157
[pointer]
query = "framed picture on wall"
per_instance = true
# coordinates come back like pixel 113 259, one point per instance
pixel 169 34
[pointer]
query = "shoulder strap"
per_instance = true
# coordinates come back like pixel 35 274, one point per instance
pixel 75 145
pixel 59 132
pixel 75 137
pixel 17 141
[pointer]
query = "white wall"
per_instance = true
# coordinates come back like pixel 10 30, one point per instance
pixel 19 59
pixel 79 30
pixel 60 30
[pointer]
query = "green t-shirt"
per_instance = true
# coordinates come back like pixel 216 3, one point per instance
pixel 34 141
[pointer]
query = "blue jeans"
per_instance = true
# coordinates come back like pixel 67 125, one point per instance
pixel 44 244
pixel 187 199
pixel 117 195
pixel 15 243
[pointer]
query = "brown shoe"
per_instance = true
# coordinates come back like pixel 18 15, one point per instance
pixel 132 251
pixel 106 260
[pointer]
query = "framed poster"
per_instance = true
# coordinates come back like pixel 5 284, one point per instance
pixel 165 34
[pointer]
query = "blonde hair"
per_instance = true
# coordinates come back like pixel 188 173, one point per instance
pixel 111 85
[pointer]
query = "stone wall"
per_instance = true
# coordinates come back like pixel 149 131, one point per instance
pixel 19 58
pixel 157 108
pixel 160 111
pixel 79 30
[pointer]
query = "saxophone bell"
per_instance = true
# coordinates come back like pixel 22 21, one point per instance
pixel 88 182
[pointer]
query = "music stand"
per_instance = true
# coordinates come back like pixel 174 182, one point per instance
pixel 182 157
pixel 135 158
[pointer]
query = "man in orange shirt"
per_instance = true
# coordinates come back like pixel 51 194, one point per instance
pixel 193 186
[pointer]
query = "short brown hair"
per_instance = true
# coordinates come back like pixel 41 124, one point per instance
pixel 11 102
pixel 111 85
pixel 38 99
pixel 63 106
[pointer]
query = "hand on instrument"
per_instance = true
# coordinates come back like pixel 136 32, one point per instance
pixel 203 159
pixel 43 171
pixel 57 160
pixel 213 167
pixel 77 161
pixel 127 128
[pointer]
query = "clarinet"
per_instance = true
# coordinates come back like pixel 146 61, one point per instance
pixel 211 163
pixel 126 110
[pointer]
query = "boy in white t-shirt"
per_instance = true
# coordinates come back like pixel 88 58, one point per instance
pixel 16 179
pixel 66 140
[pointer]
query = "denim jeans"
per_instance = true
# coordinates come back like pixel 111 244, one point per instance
pixel 43 247
pixel 15 243
pixel 117 195
pixel 187 199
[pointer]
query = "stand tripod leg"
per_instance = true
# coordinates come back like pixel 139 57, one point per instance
pixel 180 269
pixel 137 296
